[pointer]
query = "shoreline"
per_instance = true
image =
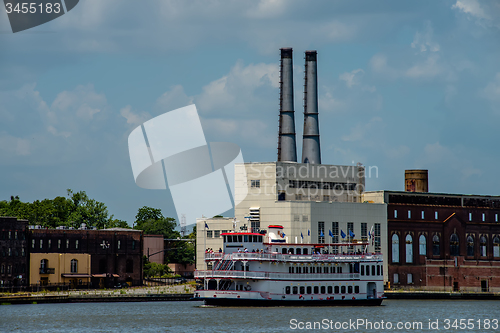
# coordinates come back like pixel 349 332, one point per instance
pixel 439 295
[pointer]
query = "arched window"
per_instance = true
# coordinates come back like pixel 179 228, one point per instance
pixel 44 263
pixel 422 245
pixel 496 247
pixel 482 246
pixel 470 246
pixel 409 248
pixel 435 246
pixel 395 248
pixel 74 266
pixel 454 245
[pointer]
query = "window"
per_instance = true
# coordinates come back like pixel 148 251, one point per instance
pixel 129 266
pixel 496 247
pixel 423 215
pixel 349 289
pixel 41 243
pixel 454 245
pixel 330 289
pixel 118 245
pixel 364 231
pixel 482 246
pixel 409 248
pixel 255 183
pixel 321 232
pixel 435 215
pixel 396 278
pixel 496 217
pixel 435 246
pixel 395 248
pixel 9 252
pixel 378 243
pixel 295 290
pixel 409 278
pixel 368 270
pixel 483 217
pixel 32 243
pixel 44 263
pixel 395 213
pixel 23 253
pixel 67 243
pixel 305 218
pixel 15 234
pixel 74 266
pixel 10 234
pixel 49 243
pixel 335 238
pixel 298 196
pixel 209 233
pixel 470 216
pixel 2 269
pixel 356 289
pixel 133 245
pixel 316 289
pixel 342 289
pixel 362 270
pixel 302 289
pixel 76 244
pixel 422 245
pixel 287 290
pixel 217 233
pixel 58 243
pixel 296 218
pixel 470 246
pixel 336 289
pixel 323 289
pixel 309 290
pixel 409 214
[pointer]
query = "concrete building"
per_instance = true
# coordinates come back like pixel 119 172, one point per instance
pixel 153 248
pixel 441 241
pixel 14 254
pixel 209 238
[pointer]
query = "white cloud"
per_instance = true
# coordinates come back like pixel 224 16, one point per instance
pixel 361 132
pixel 267 9
pixel 173 99
pixel 352 78
pixel 471 7
pixel 423 41
pixel 427 69
pixel 492 90
pixel 486 13
pixel 13 145
pixel 134 119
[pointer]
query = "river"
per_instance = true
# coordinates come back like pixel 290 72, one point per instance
pixel 393 315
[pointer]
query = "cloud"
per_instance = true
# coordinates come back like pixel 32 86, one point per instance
pixel 13 145
pixel 423 41
pixel 361 131
pixel 134 118
pixel 173 99
pixel 492 90
pixel 485 13
pixel 352 78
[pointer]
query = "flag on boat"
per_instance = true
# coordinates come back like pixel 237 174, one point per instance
pixel 342 233
pixel 206 225
pixel 372 235
pixel 330 233
pixel 321 234
pixel 351 234
pixel 308 232
pixel 301 236
pixel 283 235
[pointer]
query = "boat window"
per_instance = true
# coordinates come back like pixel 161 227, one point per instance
pixel 362 270
pixel 290 269
pixel 295 290
pixel 290 250
pixel 309 289
pixel 260 239
pixel 367 270
pixel 302 290
pixel 225 239
pixel 245 238
pixel 378 269
pixel 305 251
pixel 332 269
pixel 283 250
pixel 373 270
pixel 330 289
pixel 342 290
pixel 287 289
pixel 313 269
pixel 336 289
pixel 316 289
pixel 306 269
pixel 356 289
pixel 299 270
pixel 339 269
pixel 298 251
pixel 323 289
pixel 240 238
pixel 349 289
pixel 356 267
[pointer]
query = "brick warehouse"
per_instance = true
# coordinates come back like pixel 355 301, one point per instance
pixel 14 253
pixel 442 241
pixel 115 254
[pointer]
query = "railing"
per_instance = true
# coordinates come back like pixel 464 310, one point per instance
pixel 45 270
pixel 276 276
pixel 294 257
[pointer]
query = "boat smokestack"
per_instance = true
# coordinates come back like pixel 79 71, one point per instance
pixel 287 147
pixel 311 152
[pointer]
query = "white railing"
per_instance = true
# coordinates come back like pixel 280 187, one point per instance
pixel 294 257
pixel 275 276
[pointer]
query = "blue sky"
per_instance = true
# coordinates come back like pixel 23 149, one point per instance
pixel 401 85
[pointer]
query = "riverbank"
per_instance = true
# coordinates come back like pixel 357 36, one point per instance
pixel 182 292
pixel 430 295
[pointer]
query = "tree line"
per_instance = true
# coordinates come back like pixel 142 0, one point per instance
pixel 78 208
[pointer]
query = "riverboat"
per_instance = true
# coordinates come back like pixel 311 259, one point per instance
pixel 263 269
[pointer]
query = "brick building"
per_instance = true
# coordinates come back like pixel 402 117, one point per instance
pixel 14 253
pixel 115 254
pixel 442 241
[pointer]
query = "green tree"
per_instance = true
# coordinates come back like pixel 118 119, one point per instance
pixel 115 223
pixel 148 213
pixel 89 211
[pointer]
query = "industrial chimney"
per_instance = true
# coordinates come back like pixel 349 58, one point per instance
pixel 310 145
pixel 416 181
pixel 287 147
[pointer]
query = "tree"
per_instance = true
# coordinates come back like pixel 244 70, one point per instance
pixel 147 213
pixel 115 223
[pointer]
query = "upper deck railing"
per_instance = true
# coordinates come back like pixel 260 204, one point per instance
pixel 294 257
pixel 278 276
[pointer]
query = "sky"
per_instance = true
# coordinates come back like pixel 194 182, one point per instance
pixel 402 85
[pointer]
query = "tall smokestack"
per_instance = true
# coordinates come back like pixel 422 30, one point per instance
pixel 310 145
pixel 287 147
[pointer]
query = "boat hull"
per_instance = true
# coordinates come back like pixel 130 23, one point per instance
pixel 264 302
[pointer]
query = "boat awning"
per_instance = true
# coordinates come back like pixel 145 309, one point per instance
pixel 76 275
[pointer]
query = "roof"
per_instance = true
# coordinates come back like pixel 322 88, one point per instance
pixel 241 233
